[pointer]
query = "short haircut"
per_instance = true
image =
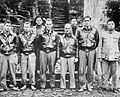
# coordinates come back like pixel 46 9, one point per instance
pixel 27 22
pixel 48 20
pixel 7 21
pixel 73 18
pixel 67 25
pixel 110 20
pixel 87 17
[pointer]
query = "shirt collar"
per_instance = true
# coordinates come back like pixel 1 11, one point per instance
pixel 111 32
pixel 87 28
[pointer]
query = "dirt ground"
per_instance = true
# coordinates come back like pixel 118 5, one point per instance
pixel 58 93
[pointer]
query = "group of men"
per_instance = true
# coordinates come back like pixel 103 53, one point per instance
pixel 82 44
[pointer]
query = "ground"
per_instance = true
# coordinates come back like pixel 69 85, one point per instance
pixel 58 93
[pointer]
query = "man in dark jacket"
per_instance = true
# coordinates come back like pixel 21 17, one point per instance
pixel 48 53
pixel 8 56
pixel 67 46
pixel 88 39
pixel 28 56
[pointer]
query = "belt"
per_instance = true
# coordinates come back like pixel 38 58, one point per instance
pixel 48 50
pixel 87 50
pixel 27 52
pixel 8 52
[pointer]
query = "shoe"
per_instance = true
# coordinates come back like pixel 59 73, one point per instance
pixel 15 88
pixel 52 84
pixel 1 89
pixel 62 89
pixel 81 90
pixel 90 88
pixel 118 89
pixel 24 87
pixel 33 87
pixel 43 85
pixel 115 90
pixel 73 89
pixel 105 89
pixel 11 85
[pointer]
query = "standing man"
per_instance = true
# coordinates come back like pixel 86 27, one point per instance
pixel 79 22
pixel 109 54
pixel 8 56
pixel 48 52
pixel 74 25
pixel 88 39
pixel 28 58
pixel 67 45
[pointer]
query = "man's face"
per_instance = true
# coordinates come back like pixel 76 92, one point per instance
pixel 67 28
pixel 7 26
pixel 26 27
pixel 79 20
pixel 111 25
pixel 49 25
pixel 73 22
pixel 39 21
pixel 87 22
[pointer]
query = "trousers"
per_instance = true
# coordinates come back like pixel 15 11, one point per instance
pixel 86 64
pixel 8 62
pixel 47 59
pixel 108 71
pixel 67 62
pixel 28 62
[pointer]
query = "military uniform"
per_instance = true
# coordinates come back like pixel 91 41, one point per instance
pixel 88 39
pixel 67 48
pixel 48 53
pixel 8 56
pixel 28 57
pixel 109 53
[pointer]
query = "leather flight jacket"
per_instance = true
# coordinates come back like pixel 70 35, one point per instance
pixel 27 41
pixel 88 39
pixel 49 41
pixel 67 46
pixel 7 43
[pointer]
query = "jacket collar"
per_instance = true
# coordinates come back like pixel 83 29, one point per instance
pixel 69 36
pixel 87 28
pixel 111 32
pixel 6 35
pixel 28 36
pixel 48 32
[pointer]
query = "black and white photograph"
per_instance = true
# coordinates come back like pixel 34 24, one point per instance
pixel 59 48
